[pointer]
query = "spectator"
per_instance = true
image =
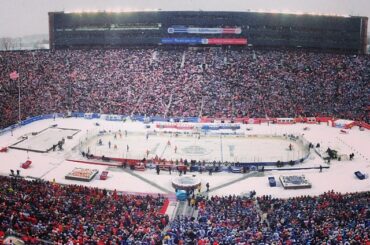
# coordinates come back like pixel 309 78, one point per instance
pixel 78 214
pixel 135 81
pixel 330 218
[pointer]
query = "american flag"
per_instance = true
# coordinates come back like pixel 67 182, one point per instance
pixel 14 75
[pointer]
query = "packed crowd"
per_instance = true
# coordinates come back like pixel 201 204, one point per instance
pixel 221 220
pixel 40 212
pixel 44 211
pixel 331 218
pixel 209 82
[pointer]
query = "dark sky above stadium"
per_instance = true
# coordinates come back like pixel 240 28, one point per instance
pixel 28 17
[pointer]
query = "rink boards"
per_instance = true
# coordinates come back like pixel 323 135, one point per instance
pixel 257 148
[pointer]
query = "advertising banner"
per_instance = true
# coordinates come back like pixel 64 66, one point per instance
pixel 205 41
pixel 227 41
pixel 181 40
pixel 201 30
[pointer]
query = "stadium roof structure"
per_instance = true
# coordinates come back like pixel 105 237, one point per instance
pixel 273 11
pixel 125 27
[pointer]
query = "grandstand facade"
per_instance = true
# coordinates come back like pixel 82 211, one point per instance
pixel 204 28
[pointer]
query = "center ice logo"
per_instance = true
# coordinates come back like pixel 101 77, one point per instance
pixel 195 150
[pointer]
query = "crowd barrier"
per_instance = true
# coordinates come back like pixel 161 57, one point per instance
pixel 178 126
pixel 146 119
pixel 233 167
pixel 30 120
pixel 220 127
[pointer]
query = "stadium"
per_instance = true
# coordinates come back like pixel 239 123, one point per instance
pixel 187 127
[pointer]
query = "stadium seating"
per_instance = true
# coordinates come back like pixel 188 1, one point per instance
pixel 233 83
pixel 225 84
pixel 76 214
pixel 300 220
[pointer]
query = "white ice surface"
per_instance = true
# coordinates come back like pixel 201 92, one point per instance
pixel 207 148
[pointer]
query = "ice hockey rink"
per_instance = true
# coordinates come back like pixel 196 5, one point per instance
pixel 136 145
pixel 260 143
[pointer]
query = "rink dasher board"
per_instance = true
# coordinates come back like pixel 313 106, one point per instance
pixel 229 146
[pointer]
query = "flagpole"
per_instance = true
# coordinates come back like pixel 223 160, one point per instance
pixel 19 101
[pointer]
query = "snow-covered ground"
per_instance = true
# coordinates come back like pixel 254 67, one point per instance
pixel 45 139
pixel 54 165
